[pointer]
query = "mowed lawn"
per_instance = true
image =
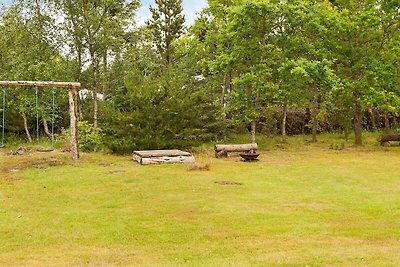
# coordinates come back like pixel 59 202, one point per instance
pixel 299 205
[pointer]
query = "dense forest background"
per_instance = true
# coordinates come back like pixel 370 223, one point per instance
pixel 259 66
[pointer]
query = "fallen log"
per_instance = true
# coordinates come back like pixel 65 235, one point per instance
pixel 222 150
pixel 385 138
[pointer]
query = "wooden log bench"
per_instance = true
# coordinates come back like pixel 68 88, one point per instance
pixel 223 150
pixel 386 138
pixel 147 157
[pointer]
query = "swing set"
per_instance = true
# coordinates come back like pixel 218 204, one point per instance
pixel 72 88
pixel 4 93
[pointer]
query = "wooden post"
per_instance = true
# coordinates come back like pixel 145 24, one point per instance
pixel 76 97
pixel 74 126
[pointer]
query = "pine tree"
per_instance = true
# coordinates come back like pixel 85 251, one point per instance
pixel 167 25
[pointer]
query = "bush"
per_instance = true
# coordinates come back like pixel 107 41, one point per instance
pixel 150 116
pixel 90 139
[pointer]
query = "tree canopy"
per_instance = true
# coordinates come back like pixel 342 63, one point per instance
pixel 263 66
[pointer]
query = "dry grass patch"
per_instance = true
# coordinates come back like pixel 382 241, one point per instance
pixel 199 166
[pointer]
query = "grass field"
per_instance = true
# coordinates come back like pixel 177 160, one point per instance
pixel 301 204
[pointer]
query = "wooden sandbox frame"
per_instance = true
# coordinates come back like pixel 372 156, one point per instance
pixel 146 157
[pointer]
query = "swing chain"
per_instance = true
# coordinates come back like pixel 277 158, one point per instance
pixel 37 115
pixel 3 118
pixel 4 91
pixel 53 117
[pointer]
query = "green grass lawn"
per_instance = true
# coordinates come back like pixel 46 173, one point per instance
pixel 301 204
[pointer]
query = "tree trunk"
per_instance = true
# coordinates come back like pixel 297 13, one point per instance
pixel 307 118
pixel 283 126
pixel 105 79
pixel 26 127
pixel 226 88
pixel 224 91
pixel 46 127
pixel 315 118
pixel 78 78
pixel 387 122
pixel 346 134
pixel 253 131
pixel 373 119
pixel 314 129
pixel 79 108
pixel 358 122
pixel 95 110
pixel 168 51
pixel 95 85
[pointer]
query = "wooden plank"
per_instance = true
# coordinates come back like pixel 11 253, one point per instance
pixel 161 153
pixel 66 85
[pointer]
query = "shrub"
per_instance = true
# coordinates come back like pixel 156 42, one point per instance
pixel 90 139
pixel 150 116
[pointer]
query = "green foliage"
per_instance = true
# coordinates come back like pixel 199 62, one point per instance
pixel 168 113
pixel 166 25
pixel 28 53
pixel 239 63
pixel 90 139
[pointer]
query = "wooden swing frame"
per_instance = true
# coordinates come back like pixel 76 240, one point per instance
pixel 72 88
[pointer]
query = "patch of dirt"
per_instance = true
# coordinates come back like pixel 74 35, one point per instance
pixel 228 183
pixel 16 164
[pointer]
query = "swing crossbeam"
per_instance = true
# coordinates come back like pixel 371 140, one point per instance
pixel 65 85
pixel 72 88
